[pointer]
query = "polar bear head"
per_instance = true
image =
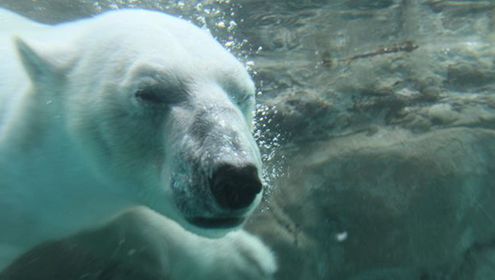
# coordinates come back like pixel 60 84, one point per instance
pixel 158 108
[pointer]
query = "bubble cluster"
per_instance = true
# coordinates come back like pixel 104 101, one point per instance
pixel 269 141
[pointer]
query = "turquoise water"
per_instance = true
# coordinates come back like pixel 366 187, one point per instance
pixel 376 124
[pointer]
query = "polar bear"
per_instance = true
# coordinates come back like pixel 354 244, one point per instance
pixel 131 107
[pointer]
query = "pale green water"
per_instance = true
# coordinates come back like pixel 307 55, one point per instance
pixel 376 122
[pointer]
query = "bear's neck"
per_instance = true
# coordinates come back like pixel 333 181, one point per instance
pixel 47 190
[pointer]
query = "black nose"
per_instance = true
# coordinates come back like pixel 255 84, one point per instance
pixel 235 187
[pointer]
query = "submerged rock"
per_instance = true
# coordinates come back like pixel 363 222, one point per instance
pixel 388 117
pixel 391 204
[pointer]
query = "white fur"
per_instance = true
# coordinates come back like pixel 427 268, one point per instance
pixel 77 146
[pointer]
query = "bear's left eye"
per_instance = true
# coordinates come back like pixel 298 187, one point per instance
pixel 156 96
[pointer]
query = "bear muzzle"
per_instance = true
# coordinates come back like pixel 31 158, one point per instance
pixel 234 189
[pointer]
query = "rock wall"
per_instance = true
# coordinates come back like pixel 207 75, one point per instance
pixel 392 205
pixel 387 109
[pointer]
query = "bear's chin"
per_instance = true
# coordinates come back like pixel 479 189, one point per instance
pixel 216 223
pixel 213 227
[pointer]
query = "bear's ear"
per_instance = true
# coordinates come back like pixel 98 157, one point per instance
pixel 36 65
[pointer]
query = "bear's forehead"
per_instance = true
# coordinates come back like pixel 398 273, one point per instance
pixel 159 39
pixel 160 43
pixel 155 29
pixel 137 43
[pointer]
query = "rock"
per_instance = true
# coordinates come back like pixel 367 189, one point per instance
pixel 392 178
pixel 413 64
pixel 393 205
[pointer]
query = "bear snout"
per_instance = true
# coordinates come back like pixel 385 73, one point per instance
pixel 235 187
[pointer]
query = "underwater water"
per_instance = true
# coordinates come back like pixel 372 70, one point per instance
pixel 376 122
